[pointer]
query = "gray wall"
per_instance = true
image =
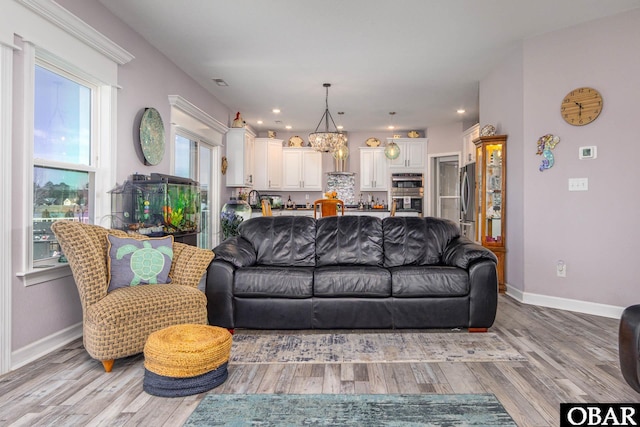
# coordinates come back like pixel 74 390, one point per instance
pixel 593 231
pixel 44 309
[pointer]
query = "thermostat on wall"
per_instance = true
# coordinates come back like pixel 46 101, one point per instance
pixel 588 152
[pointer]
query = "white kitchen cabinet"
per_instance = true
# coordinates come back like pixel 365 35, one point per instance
pixel 240 157
pixel 412 154
pixel 301 169
pixel 268 167
pixel 468 147
pixel 374 169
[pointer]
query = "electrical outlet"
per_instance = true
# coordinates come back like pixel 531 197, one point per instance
pixel 561 268
pixel 306 197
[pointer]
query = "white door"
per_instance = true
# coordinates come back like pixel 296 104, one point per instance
pixel 274 167
pixel 415 154
pixel 367 167
pixel 194 160
pixel 291 169
pixel 248 160
pixel 312 170
pixel 205 238
pixel 380 170
pixel 446 188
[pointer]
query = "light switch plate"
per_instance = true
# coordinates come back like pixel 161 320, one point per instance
pixel 578 184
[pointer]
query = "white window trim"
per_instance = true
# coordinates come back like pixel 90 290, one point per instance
pixel 213 134
pixel 65 20
pixel 6 103
pixel 102 163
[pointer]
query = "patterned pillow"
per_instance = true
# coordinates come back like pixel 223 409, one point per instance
pixel 136 262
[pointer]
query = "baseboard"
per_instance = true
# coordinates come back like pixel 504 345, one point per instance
pixel 45 345
pixel 585 307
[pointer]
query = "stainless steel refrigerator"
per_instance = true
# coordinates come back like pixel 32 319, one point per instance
pixel 467 201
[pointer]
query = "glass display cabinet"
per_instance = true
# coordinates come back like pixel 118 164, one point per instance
pixel 158 205
pixel 491 160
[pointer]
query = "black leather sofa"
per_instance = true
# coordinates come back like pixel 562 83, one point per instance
pixel 294 272
pixel 629 346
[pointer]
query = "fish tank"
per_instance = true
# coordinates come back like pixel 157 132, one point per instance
pixel 157 205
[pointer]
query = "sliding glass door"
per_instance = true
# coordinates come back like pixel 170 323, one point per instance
pixel 194 160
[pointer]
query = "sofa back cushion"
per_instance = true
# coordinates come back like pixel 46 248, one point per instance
pixel 416 241
pixel 349 240
pixel 282 240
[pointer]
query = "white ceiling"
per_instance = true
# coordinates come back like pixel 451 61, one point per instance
pixel 420 58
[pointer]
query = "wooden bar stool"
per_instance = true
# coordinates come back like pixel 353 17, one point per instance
pixel 328 207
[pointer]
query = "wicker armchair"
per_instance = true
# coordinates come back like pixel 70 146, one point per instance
pixel 117 324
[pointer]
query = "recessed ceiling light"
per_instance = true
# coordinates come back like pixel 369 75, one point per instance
pixel 461 111
pixel 276 110
pixel 220 82
pixel 288 127
pixel 391 127
pixel 340 127
pixel 259 122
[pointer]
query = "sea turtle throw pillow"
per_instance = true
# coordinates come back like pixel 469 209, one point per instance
pixel 139 262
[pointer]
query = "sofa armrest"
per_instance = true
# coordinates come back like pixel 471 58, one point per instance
pixel 237 251
pixel 483 293
pixel 189 264
pixel 462 252
pixel 219 292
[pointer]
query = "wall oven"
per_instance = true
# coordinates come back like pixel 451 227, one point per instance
pixel 407 190
pixel 408 181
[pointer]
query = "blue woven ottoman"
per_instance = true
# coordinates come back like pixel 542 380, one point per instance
pixel 186 359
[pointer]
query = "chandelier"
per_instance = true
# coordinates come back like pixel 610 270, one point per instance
pixel 327 141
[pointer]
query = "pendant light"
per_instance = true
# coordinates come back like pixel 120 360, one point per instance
pixel 392 150
pixel 327 141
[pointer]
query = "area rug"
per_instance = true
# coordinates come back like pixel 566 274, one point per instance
pixel 256 347
pixel 350 410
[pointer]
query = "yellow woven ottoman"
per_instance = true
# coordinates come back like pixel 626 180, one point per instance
pixel 186 359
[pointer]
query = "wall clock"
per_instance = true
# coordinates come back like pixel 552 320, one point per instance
pixel 581 106
pixel 152 136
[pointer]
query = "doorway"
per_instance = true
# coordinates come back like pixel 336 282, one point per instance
pixel 445 189
pixel 194 159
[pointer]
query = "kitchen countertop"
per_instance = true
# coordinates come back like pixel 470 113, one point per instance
pixel 305 209
pixel 382 213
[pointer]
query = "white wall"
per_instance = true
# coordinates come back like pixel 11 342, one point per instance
pixel 501 104
pixel 445 138
pixel 593 231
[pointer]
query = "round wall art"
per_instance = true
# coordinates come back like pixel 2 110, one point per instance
pixel 152 136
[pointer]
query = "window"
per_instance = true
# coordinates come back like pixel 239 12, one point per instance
pixel 186 156
pixel 63 171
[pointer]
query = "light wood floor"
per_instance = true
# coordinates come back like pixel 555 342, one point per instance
pixel 571 358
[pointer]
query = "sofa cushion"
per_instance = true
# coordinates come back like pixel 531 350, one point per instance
pixel 416 241
pixel 433 281
pixel 282 240
pixel 352 281
pixel 349 240
pixel 273 282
